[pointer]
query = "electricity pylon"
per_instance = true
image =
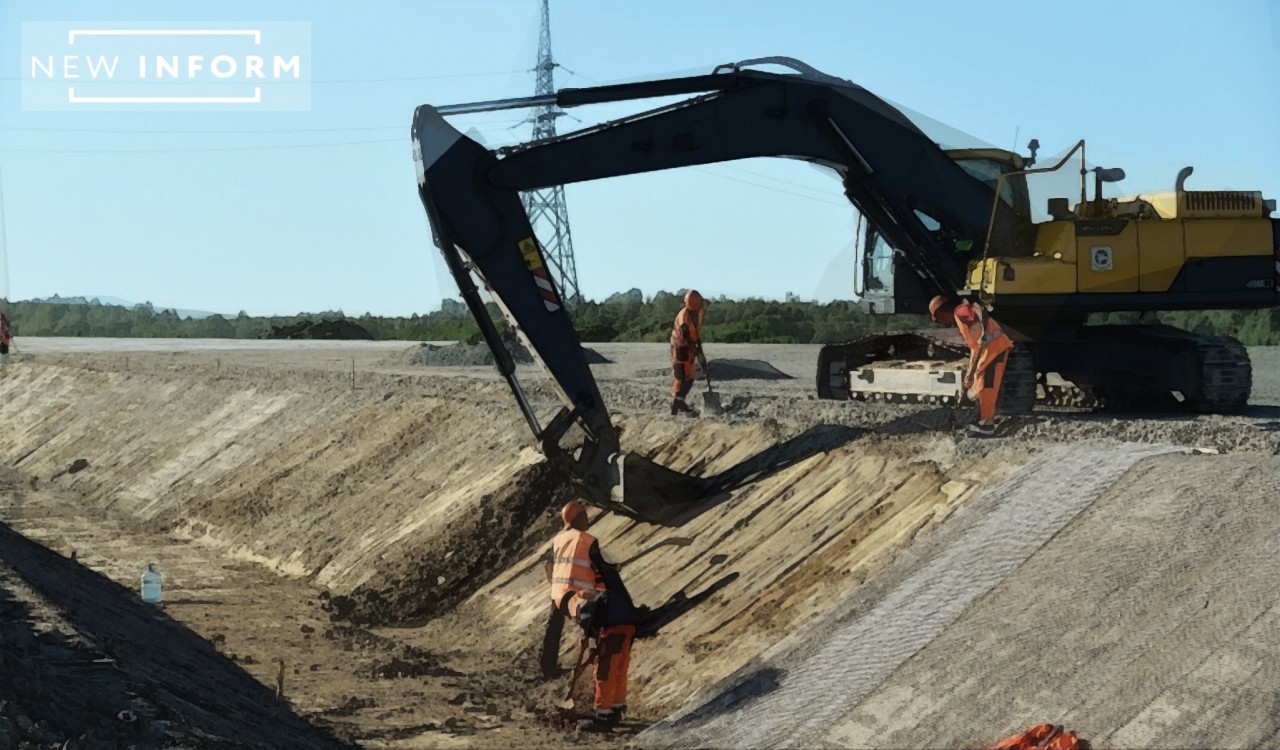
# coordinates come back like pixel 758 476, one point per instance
pixel 546 207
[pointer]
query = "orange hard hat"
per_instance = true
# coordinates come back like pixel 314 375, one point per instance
pixel 571 510
pixel 693 300
pixel 936 304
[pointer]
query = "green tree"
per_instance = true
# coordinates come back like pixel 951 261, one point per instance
pixel 216 327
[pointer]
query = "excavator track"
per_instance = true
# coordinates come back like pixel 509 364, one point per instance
pixel 1018 391
pixel 839 366
pixel 1171 371
pixel 1226 374
pixel 837 361
pixel 1221 383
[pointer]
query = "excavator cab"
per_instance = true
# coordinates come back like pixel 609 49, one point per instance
pixel 888 286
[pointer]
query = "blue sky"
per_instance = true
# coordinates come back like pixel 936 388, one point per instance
pixel 315 210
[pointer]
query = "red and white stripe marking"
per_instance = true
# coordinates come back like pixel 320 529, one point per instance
pixel 546 290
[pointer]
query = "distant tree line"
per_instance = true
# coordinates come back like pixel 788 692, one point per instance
pixel 626 316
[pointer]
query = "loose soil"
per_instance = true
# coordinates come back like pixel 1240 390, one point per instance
pixel 374 525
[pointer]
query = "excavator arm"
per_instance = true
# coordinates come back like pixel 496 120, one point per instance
pixel 894 174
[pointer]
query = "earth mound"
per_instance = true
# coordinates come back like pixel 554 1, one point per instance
pixel 338 330
pixel 457 355
pixel 595 358
pixel 745 369
pixel 463 354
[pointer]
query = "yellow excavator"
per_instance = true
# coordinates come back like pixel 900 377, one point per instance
pixel 956 222
pixel 1174 250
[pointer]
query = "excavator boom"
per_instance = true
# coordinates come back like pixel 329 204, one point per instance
pixel 916 196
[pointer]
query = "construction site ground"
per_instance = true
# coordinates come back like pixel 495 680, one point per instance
pixel 350 545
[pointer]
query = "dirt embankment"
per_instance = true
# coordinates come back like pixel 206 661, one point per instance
pixel 406 495
pixel 410 497
pixel 311 478
pixel 446 568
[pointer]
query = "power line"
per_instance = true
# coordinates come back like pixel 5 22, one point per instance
pixel 200 132
pixel 387 79
pixel 275 147
pixel 769 187
pixel 393 79
pixel 776 179
pixel 228 131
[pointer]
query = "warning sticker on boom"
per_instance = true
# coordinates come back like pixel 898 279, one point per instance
pixel 542 279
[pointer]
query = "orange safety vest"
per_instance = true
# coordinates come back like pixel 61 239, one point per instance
pixel 572 572
pixel 982 333
pixel 685 334
pixel 4 330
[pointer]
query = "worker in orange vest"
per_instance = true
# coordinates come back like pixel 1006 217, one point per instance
pixel 686 345
pixel 588 589
pixel 989 348
pixel 4 334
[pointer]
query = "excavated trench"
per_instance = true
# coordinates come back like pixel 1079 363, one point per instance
pixel 415 501
pixel 445 567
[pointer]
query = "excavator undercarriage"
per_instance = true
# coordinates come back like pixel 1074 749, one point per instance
pixel 1099 368
pixel 915 367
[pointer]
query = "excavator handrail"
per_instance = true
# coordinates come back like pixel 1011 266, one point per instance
pixel 995 204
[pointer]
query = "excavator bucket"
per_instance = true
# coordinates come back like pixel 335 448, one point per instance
pixel 652 492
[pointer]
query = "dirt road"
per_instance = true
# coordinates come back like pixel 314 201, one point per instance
pixel 374 526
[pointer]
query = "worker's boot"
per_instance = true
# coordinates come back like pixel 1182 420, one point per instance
pixel 980 429
pixel 680 406
pixel 601 722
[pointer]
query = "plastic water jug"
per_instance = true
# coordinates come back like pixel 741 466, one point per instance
pixel 150 581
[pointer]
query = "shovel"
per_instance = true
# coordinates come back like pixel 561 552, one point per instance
pixel 586 655
pixel 711 399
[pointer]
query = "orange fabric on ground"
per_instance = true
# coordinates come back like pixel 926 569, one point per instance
pixel 1042 737
pixel 613 658
pixel 1066 741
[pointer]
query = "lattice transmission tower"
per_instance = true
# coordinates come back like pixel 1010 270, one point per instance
pixel 546 208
